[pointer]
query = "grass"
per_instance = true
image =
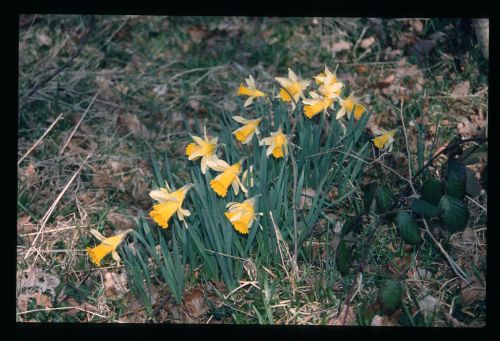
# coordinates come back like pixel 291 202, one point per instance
pixel 160 78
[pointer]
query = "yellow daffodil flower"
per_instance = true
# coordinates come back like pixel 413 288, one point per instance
pixel 348 105
pixel 277 143
pixel 203 148
pixel 385 139
pixel 250 90
pixel 241 215
pixel 108 245
pixel 229 176
pixel 245 133
pixel 169 202
pixel 329 85
pixel 291 86
pixel 316 104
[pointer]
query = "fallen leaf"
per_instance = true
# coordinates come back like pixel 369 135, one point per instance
pixel 35 280
pixel 130 123
pixel 43 39
pixel 417 25
pixel 428 304
pixel 24 225
pixel 115 285
pixel 197 34
pixel 367 42
pixel 120 221
pixel 29 174
pixel 341 46
pixel 306 198
pixel 461 89
pixel 473 292
pixel 194 302
pixel 101 179
pixel 346 318
pixel 382 321
pixel 386 82
pixel 421 274
pixel 406 39
pixel 74 303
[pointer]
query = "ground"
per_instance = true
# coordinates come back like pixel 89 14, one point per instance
pixel 99 95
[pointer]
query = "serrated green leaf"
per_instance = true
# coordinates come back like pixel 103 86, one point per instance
pixel 369 194
pixel 342 259
pixel 432 191
pixel 455 170
pixel 472 186
pixel 389 295
pixel 455 213
pixel 384 199
pixel 455 188
pixel 408 228
pixel 425 208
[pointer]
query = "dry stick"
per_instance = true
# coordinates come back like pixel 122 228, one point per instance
pixel 51 209
pixel 47 79
pixel 40 139
pixel 61 151
pixel 458 271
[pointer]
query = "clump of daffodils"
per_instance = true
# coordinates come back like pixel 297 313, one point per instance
pixel 327 97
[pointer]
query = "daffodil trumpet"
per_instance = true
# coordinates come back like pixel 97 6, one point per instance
pixel 169 203
pixel 245 133
pixel 107 246
pixel 202 148
pixel 277 142
pixel 229 176
pixel 241 215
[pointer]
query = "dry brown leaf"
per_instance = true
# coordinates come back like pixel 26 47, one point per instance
pixel 194 302
pixel 29 174
pixel 101 179
pixel 406 39
pixel 367 42
pixel 306 198
pixel 74 303
pixel 417 25
pixel 24 225
pixel 346 318
pixel 115 285
pixel 461 89
pixel 470 128
pixel 41 300
pixel 428 304
pixel 473 292
pixel 341 46
pixel 386 82
pixel 382 321
pixel 35 280
pixel 361 69
pixel 120 221
pixel 197 34
pixel 130 123
pixel 43 39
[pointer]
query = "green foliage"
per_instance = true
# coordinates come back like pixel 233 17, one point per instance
pixel 342 259
pixel 384 199
pixel 425 208
pixel 455 188
pixel 432 191
pixel 389 295
pixel 455 213
pixel 408 228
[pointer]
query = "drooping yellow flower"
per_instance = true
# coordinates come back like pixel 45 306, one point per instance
pixel 385 139
pixel 291 86
pixel 250 90
pixel 107 246
pixel 241 215
pixel 169 203
pixel 277 143
pixel 204 148
pixel 229 176
pixel 329 85
pixel 316 104
pixel 245 133
pixel 348 105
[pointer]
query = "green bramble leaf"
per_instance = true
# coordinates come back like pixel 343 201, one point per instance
pixel 432 191
pixel 455 213
pixel 408 228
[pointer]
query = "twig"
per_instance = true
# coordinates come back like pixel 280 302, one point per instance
pixel 161 304
pixel 78 124
pixel 51 209
pixel 40 139
pixel 410 182
pixel 47 79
